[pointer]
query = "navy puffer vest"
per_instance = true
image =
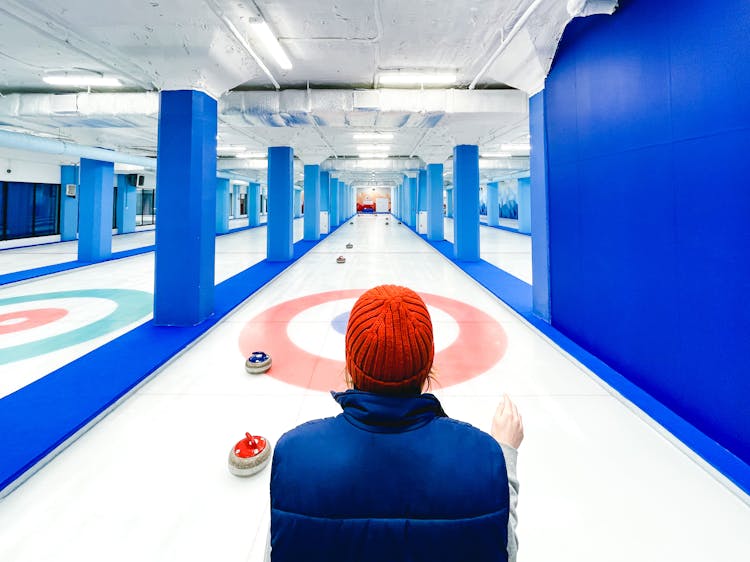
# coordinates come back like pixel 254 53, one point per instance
pixel 391 479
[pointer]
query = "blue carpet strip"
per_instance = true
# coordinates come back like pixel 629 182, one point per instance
pixel 40 417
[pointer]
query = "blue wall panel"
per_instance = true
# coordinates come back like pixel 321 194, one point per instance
pixel 648 131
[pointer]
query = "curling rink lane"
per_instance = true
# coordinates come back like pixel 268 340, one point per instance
pixel 48 322
pixel 150 481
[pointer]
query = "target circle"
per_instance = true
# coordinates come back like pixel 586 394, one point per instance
pixel 28 319
pixel 122 307
pixel 480 341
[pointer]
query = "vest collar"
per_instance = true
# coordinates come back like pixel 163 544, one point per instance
pixel 388 414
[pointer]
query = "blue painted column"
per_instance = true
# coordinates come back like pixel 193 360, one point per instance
pixel 449 202
pixel 343 214
pixel 435 202
pixel 186 203
pixel 333 203
pixel 466 199
pixel 68 204
pixel 280 237
pixel 539 205
pixel 422 190
pixel 95 206
pixel 413 202
pixel 222 205
pixel 493 208
pixel 312 202
pixel 524 205
pixel 325 186
pixel 253 204
pixel 126 201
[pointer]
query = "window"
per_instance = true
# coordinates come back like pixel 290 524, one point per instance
pixel 29 209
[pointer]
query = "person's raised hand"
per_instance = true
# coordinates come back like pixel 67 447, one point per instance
pixel 507 425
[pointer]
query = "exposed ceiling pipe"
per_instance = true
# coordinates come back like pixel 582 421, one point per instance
pixel 216 9
pixel 54 146
pixel 506 41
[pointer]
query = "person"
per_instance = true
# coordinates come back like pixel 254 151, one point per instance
pixel 393 478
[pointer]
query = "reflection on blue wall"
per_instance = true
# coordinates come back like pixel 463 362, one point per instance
pixel 651 105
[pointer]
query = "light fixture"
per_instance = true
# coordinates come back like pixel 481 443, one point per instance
pixel 250 154
pixel 373 155
pixel 266 36
pixel 373 136
pixel 373 147
pixel 230 149
pixel 82 80
pixel 517 147
pixel 417 78
pixel 496 154
pixel 128 167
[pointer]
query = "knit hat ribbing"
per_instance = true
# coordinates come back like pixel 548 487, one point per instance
pixel 389 341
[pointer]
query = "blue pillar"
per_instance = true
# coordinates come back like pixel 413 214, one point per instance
pixel 280 237
pixel 343 215
pixel 493 207
pixel 69 204
pixel 95 206
pixel 325 186
pixel 126 201
pixel 222 205
pixel 435 202
pixel 253 204
pixel 413 202
pixel 333 203
pixel 186 203
pixel 466 198
pixel 524 205
pixel 312 202
pixel 449 202
pixel 422 190
pixel 539 199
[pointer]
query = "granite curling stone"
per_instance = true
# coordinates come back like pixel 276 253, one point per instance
pixel 249 456
pixel 341 259
pixel 349 246
pixel 258 363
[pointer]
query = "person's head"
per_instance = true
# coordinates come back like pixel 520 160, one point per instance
pixel 389 341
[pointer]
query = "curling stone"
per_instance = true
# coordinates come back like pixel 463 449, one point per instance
pixel 349 246
pixel 258 363
pixel 352 222
pixel 250 455
pixel 399 222
pixel 341 259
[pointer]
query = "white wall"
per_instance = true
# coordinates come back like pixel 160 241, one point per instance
pixel 14 169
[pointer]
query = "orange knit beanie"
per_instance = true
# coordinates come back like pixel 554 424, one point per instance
pixel 389 343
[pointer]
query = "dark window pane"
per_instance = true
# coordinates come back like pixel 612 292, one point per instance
pixel 20 206
pixel 45 209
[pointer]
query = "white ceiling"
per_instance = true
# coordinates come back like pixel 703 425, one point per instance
pixel 337 49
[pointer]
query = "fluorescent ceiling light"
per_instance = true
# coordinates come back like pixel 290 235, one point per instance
pixel 82 80
pixel 266 36
pixel 495 154
pixel 373 147
pixel 417 78
pixel 230 149
pixel 249 154
pixel 372 155
pixel 129 167
pixel 373 136
pixel 519 146
pixel 255 165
